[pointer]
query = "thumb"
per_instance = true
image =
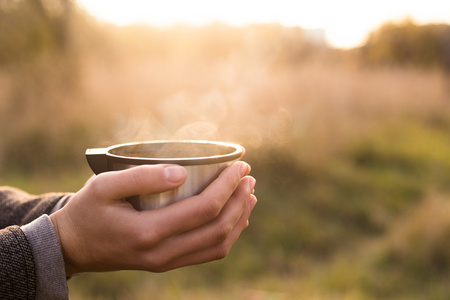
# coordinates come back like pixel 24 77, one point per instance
pixel 140 180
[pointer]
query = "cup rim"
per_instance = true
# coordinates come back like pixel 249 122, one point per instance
pixel 236 153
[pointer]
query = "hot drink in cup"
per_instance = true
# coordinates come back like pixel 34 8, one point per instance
pixel 203 161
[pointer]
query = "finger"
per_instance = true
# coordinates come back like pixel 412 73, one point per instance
pixel 195 211
pixel 215 252
pixel 140 180
pixel 230 223
pixel 253 201
pixel 237 210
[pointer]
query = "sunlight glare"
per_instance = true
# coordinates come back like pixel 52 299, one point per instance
pixel 346 23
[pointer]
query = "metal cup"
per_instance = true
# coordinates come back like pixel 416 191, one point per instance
pixel 203 161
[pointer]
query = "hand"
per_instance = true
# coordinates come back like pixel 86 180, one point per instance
pixel 100 231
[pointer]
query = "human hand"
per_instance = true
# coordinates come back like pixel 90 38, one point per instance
pixel 100 231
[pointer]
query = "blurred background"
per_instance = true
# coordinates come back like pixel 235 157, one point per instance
pixel 346 125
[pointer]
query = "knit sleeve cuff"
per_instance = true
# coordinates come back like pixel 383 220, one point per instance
pixel 49 261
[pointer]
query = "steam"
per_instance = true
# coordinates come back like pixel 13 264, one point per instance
pixel 240 111
pixel 198 131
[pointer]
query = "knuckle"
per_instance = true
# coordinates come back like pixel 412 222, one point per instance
pixel 152 266
pixel 95 187
pixel 231 183
pixel 222 252
pixel 137 176
pixel 212 208
pixel 222 232
pixel 156 264
pixel 146 238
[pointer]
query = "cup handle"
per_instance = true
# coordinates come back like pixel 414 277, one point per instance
pixel 96 158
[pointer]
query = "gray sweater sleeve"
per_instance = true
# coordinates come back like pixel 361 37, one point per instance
pixel 19 208
pixel 17 270
pixel 31 263
pixel 51 281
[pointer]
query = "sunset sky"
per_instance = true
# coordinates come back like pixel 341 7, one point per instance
pixel 346 22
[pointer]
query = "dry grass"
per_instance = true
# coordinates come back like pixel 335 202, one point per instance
pixel 335 147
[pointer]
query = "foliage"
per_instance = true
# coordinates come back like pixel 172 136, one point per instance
pixel 409 44
pixel 351 163
pixel 31 27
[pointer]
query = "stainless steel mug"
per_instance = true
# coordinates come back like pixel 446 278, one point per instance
pixel 203 161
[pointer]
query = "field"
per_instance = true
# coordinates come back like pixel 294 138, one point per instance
pixel 352 162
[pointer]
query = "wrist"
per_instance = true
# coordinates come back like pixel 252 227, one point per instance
pixel 69 266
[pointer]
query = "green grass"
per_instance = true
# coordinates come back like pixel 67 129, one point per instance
pixel 352 164
pixel 359 228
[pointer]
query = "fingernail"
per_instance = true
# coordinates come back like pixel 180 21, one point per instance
pixel 174 174
pixel 244 170
pixel 253 201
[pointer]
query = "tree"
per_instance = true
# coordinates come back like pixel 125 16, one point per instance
pixel 30 27
pixel 408 44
